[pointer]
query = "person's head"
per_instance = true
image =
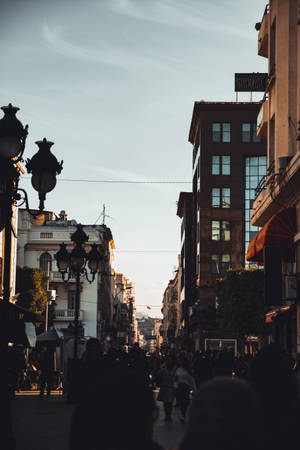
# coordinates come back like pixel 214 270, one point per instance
pixel 221 415
pixel 118 414
pixel 93 348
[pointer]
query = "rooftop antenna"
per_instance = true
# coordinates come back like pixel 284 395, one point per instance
pixel 103 215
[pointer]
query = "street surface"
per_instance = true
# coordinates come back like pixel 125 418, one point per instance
pixel 44 423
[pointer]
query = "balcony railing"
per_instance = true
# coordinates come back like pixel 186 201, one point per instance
pixel 67 314
pixel 57 276
pixel 264 180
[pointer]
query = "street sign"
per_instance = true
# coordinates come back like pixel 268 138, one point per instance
pixel 250 82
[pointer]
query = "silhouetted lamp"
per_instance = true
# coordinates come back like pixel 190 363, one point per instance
pixel 73 264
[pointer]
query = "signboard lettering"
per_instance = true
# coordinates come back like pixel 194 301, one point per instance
pixel 250 82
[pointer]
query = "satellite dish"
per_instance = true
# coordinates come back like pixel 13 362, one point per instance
pixel 38 221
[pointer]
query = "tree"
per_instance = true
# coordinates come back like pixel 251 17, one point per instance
pixel 241 307
pixel 31 284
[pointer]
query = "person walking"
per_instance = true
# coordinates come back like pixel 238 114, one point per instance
pixel 184 382
pixel 46 365
pixel 166 391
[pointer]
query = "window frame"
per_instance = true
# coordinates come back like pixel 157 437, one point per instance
pixel 218 162
pixel 42 263
pixel 220 138
pixel 221 197
pixel 220 263
pixel 219 229
pixel 253 138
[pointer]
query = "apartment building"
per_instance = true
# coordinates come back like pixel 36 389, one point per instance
pixel 171 310
pixel 38 241
pixel 228 161
pixel 277 205
pixel 125 328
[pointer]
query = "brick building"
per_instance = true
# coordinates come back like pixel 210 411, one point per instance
pixel 228 162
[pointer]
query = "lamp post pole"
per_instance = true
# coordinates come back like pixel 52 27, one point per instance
pixel 76 318
pixel 73 264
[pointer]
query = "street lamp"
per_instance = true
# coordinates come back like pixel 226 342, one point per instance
pixel 73 264
pixel 12 145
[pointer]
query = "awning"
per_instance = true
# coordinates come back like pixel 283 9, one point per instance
pixel 279 231
pixel 10 311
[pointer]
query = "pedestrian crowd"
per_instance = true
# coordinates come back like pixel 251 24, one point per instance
pixel 228 402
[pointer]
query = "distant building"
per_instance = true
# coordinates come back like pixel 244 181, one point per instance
pixel 39 240
pixel 124 317
pixel 149 332
pixel 171 310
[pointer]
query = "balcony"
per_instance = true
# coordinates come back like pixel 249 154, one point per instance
pixel 67 314
pixel 262 120
pixel 263 34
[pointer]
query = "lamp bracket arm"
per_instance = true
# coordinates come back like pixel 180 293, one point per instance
pixel 84 271
pixel 25 200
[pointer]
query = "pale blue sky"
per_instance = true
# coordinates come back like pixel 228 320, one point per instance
pixel 113 83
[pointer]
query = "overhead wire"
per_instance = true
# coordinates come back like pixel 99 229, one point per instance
pixel 77 180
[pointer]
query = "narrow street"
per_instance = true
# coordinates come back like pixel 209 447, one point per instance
pixel 45 423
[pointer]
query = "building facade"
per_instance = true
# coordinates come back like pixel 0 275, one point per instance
pixel 229 159
pixel 38 241
pixel 277 204
pixel 125 329
pixel 171 310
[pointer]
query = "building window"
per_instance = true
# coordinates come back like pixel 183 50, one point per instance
pixel 220 230
pixel 220 263
pixel 221 132
pixel 216 199
pixel 255 170
pixel 46 262
pixel 220 165
pixel 71 299
pixel 249 132
pixel 221 197
pixel 46 235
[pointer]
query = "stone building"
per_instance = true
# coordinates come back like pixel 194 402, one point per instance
pixel 277 204
pixel 124 317
pixel 171 310
pixel 38 241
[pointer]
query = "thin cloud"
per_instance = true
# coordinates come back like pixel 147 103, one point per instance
pixel 166 12
pixel 104 54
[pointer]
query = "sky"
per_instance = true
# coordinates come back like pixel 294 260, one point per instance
pixel 113 84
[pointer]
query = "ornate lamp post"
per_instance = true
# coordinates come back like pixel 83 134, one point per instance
pixel 44 169
pixel 73 264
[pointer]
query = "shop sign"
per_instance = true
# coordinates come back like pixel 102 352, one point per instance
pixel 250 82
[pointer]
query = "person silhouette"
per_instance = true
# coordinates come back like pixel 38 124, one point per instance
pixel 272 376
pixel 118 415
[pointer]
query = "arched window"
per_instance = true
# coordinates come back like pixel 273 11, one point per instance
pixel 46 262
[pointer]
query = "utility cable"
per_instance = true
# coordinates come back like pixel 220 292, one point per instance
pixel 77 180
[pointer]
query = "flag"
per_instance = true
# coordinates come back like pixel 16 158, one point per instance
pixel 148 307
